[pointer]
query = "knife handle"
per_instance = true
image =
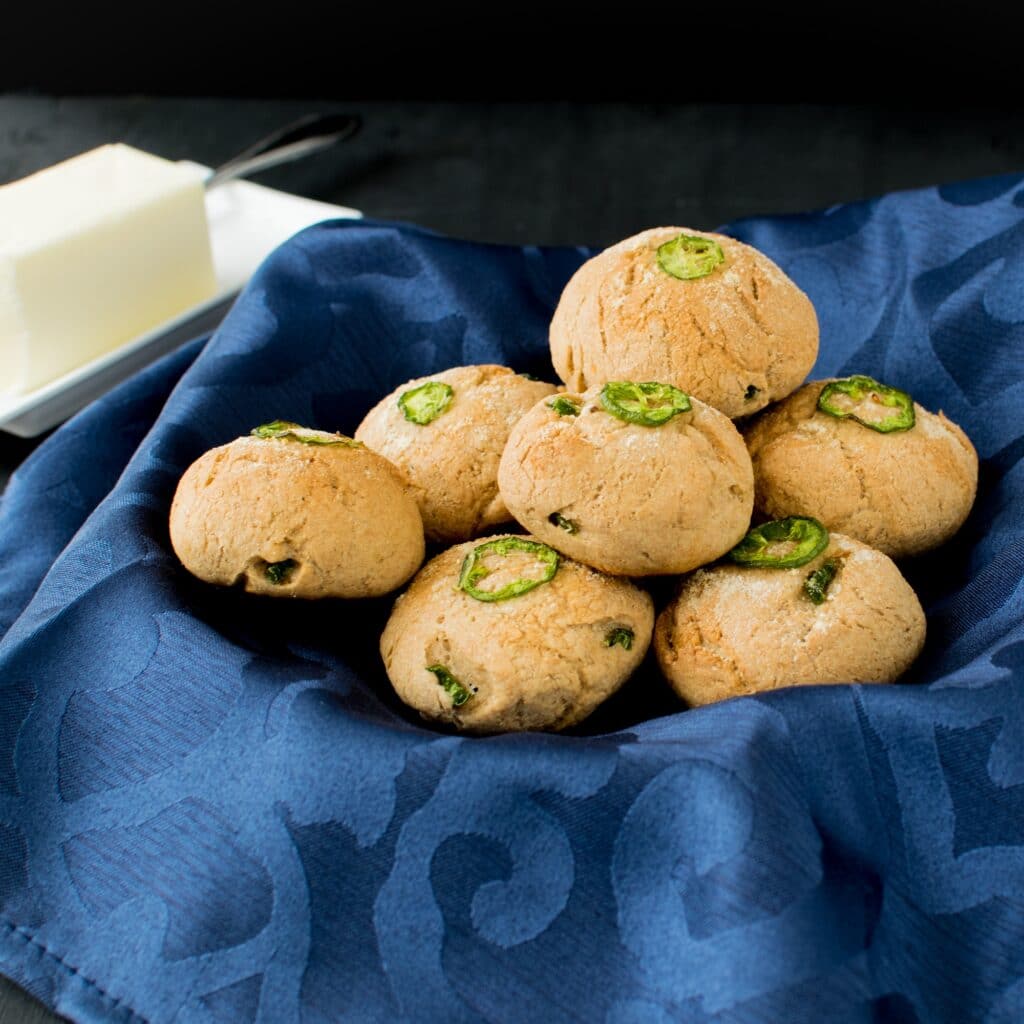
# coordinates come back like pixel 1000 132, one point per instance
pixel 308 134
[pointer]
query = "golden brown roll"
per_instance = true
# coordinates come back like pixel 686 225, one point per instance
pixel 734 630
pixel 628 498
pixel 503 635
pixel 733 329
pixel 903 491
pixel 297 513
pixel 446 434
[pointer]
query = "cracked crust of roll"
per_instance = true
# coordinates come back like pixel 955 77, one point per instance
pixel 744 325
pixel 342 514
pixel 452 463
pixel 645 501
pixel 733 630
pixel 903 493
pixel 536 661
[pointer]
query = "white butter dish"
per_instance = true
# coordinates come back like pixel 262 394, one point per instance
pixel 247 222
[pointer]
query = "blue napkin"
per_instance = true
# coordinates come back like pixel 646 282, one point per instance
pixel 212 807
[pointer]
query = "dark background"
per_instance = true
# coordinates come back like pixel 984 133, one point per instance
pixel 892 54
pixel 527 124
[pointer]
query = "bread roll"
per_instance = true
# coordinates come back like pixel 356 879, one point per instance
pixel 504 635
pixel 297 513
pixel 733 330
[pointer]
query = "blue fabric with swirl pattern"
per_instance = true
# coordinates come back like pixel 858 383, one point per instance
pixel 213 809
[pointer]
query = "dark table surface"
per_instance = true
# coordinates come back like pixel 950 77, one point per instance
pixel 544 173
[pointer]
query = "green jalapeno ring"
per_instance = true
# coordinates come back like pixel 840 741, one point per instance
pixel 564 406
pixel 451 685
pixel 288 431
pixel 687 257
pixel 808 537
pixel 817 583
pixel 647 404
pixel 275 428
pixel 474 571
pixel 621 635
pixel 423 404
pixel 858 387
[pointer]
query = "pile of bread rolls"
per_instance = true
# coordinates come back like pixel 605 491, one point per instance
pixel 683 443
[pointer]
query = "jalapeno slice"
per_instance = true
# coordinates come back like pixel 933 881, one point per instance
pixel 475 568
pixel 689 256
pixel 869 403
pixel 781 544
pixel 620 635
pixel 557 519
pixel 278 572
pixel 564 406
pixel 423 404
pixel 283 429
pixel 275 428
pixel 452 686
pixel 817 583
pixel 649 404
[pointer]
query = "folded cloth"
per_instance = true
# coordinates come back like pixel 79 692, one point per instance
pixel 212 807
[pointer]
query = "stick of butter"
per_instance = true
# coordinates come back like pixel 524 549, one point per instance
pixel 93 252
